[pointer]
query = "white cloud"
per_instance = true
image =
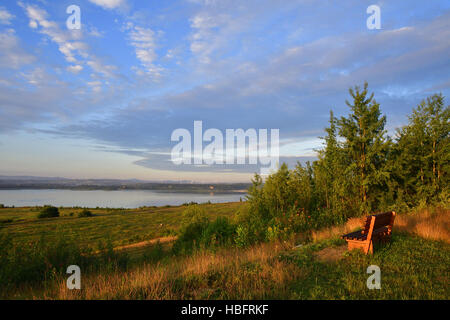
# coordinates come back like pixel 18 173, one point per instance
pixel 5 16
pixel 95 33
pixel 38 77
pixel 109 4
pixel 69 43
pixel 96 86
pixel 144 42
pixel 11 54
pixel 100 68
pixel 39 18
pixel 215 29
pixel 75 69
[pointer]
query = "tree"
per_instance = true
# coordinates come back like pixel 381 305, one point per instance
pixel 422 153
pixel 329 173
pixel 365 146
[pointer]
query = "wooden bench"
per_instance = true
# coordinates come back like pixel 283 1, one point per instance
pixel 377 227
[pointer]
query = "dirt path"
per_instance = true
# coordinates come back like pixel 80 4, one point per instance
pixel 146 243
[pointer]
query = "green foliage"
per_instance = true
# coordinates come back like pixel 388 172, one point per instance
pixel 412 268
pixel 154 253
pixel 38 261
pixel 189 238
pixel 48 212
pixel 366 147
pixel 85 213
pixel 194 214
pixel 45 259
pixel 420 159
pixel 359 170
pixel 218 233
pixel 199 232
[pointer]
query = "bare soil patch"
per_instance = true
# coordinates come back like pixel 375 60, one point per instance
pixel 331 254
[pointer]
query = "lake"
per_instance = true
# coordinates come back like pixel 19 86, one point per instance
pixel 111 199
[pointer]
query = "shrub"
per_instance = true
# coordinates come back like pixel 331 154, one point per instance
pixel 194 214
pixel 85 213
pixel 48 212
pixel 194 222
pixel 154 253
pixel 218 233
pixel 190 237
pixel 38 261
pixel 189 203
pixel 198 232
pixel 2 205
pixel 251 228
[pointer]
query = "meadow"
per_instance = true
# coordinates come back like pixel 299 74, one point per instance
pixel 309 265
pixel 121 226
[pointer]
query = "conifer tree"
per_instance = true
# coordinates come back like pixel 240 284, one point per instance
pixel 422 151
pixel 365 146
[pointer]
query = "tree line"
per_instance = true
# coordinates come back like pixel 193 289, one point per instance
pixel 359 170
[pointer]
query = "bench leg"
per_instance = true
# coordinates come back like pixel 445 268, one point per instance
pixel 368 248
pixel 360 245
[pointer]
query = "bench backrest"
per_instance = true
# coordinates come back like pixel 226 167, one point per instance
pixel 377 221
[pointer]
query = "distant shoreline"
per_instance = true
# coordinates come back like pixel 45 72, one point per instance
pixel 82 188
pixel 118 185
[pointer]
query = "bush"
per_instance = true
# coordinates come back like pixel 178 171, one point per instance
pixel 194 222
pixel 2 205
pixel 190 237
pixel 198 232
pixel 189 203
pixel 48 212
pixel 85 213
pixel 218 233
pixel 194 214
pixel 154 253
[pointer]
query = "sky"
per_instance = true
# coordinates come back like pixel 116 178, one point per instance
pixel 102 101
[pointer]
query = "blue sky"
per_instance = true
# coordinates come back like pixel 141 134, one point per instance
pixel 102 101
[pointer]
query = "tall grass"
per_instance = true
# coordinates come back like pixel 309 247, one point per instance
pixel 41 262
pixel 252 273
pixel 429 223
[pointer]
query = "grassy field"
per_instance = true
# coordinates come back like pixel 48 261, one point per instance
pixel 122 226
pixel 313 266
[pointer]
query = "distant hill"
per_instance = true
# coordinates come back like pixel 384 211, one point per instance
pixel 31 182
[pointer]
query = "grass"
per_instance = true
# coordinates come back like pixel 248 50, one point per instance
pixel 122 226
pixel 413 266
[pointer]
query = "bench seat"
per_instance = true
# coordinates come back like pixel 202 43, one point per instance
pixel 376 228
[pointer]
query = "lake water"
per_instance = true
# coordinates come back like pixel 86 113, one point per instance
pixel 111 199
